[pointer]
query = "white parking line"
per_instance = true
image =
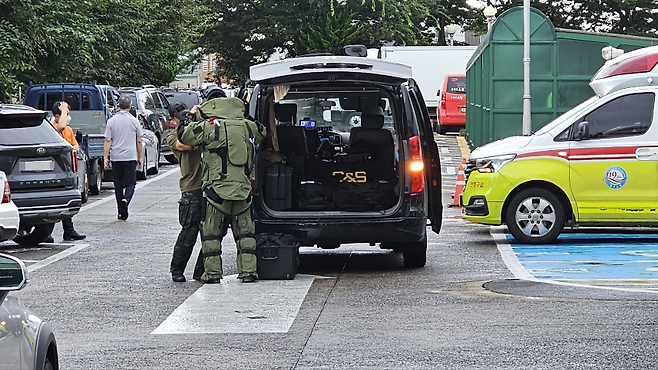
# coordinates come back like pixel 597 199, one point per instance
pixel 268 306
pixel 56 257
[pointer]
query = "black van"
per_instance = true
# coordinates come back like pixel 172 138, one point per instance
pixel 375 179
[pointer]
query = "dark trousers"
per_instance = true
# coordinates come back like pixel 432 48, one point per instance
pixel 67 225
pixel 125 179
pixel 189 217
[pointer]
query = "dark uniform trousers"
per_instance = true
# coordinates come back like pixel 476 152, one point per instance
pixel 189 215
pixel 218 215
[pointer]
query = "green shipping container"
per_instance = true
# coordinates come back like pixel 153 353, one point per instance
pixel 562 63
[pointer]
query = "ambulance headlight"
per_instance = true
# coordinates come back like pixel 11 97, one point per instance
pixel 493 164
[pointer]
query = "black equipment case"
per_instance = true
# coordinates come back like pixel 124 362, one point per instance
pixel 278 187
pixel 277 255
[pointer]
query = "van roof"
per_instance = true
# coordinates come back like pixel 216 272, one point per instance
pixel 636 68
pixel 296 67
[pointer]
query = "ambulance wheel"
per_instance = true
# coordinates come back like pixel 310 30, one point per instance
pixel 535 216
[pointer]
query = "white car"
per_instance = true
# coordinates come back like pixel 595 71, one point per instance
pixel 9 218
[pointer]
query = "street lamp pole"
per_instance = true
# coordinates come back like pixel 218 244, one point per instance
pixel 527 106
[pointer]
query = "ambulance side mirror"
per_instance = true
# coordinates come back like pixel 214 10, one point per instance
pixel 582 131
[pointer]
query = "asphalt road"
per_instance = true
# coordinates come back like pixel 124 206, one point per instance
pixel 112 304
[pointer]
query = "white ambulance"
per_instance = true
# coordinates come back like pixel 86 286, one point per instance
pixel 595 165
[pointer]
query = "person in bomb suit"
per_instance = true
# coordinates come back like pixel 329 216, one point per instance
pixel 228 141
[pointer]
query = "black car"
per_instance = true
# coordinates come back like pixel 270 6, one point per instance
pixel 151 103
pixel 330 182
pixel 41 169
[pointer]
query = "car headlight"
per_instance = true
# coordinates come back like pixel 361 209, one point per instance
pixel 493 164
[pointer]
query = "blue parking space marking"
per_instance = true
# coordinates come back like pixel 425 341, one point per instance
pixel 590 256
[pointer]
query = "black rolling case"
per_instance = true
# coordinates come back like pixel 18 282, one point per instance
pixel 278 187
pixel 278 256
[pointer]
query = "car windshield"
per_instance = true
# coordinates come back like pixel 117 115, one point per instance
pixel 27 130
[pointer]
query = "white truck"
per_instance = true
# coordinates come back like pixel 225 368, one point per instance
pixel 429 66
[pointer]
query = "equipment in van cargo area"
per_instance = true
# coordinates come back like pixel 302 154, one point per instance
pixel 277 255
pixel 278 186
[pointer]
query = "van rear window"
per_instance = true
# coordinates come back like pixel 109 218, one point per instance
pixel 456 85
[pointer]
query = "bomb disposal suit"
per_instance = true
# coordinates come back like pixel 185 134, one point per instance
pixel 596 165
pixel 228 141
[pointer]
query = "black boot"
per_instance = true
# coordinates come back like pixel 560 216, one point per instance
pixel 177 277
pixel 73 235
pixel 69 231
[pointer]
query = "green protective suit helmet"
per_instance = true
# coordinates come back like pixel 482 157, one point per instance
pixel 228 140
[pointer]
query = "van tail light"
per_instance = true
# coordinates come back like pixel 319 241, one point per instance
pixel 74 161
pixel 416 166
pixel 6 194
pixel 443 100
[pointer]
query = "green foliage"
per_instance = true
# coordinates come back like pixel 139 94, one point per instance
pixel 331 34
pixel 131 43
pixel 108 41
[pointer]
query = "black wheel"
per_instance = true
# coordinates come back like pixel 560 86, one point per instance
pixel 156 169
pixel 441 129
pixel 85 190
pixel 141 175
pixel 535 216
pixel 415 254
pixel 47 365
pixel 33 234
pixel 95 183
pixel 171 158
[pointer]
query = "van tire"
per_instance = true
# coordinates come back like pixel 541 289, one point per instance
pixel 415 254
pixel 535 216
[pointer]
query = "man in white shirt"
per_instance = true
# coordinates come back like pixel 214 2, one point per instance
pixel 123 145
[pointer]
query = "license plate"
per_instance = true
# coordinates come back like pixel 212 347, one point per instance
pixel 37 166
pixel 464 110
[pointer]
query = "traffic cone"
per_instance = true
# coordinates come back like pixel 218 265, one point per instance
pixel 461 183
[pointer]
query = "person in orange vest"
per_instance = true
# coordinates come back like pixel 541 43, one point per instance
pixel 61 123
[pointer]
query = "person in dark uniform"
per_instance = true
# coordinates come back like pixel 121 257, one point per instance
pixel 189 205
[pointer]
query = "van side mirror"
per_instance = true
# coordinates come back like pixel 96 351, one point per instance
pixel 438 92
pixel 582 132
pixel 13 273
